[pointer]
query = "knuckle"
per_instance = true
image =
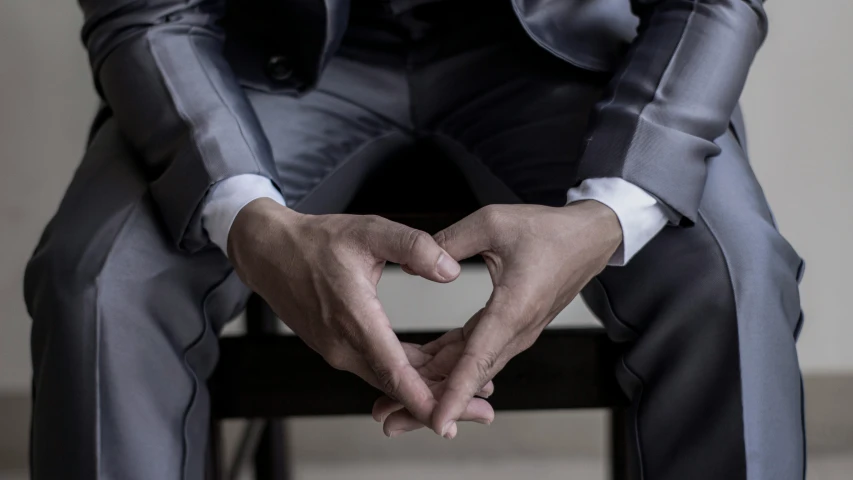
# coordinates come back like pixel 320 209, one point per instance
pixel 442 238
pixel 373 220
pixel 485 364
pixel 354 334
pixel 359 229
pixel 524 342
pixel 414 240
pixel 388 380
pixel 492 217
pixel 347 238
pixel 337 358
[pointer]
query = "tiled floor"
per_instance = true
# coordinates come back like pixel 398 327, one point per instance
pixel 827 467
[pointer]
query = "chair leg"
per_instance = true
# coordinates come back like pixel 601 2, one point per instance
pixel 272 457
pixel 212 470
pixel 271 454
pixel 246 448
pixel 619 469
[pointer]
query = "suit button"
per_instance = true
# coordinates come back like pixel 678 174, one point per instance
pixel 278 69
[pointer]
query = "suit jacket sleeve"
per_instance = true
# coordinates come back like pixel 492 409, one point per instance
pixel 159 66
pixel 673 94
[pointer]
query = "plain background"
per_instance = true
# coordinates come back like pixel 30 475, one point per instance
pixel 798 105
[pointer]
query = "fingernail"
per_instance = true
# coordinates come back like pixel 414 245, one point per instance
pixel 395 433
pixel 449 430
pixel 484 421
pixel 447 267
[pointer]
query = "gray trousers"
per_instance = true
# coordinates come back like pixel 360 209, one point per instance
pixel 125 326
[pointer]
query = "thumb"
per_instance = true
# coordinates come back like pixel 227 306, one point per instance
pixel 416 250
pixel 467 237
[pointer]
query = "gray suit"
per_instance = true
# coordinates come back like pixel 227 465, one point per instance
pixel 127 295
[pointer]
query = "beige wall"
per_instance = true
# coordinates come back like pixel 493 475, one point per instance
pixel 45 104
pixel 798 103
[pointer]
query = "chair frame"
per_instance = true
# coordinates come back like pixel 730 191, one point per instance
pixel 246 385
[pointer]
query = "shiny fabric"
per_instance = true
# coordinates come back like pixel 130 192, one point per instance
pixel 125 323
pixel 173 82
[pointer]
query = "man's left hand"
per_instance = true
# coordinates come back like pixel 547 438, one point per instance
pixel 539 258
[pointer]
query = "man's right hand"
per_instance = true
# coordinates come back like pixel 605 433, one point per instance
pixel 319 274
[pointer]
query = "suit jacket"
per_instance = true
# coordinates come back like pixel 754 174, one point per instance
pixel 174 81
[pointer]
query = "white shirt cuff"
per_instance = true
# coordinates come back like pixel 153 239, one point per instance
pixel 640 214
pixel 225 200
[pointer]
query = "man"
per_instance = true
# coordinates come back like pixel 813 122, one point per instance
pixel 229 141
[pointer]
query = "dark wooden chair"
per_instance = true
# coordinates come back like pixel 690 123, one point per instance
pixel 568 368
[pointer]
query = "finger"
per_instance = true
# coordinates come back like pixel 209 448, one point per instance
pixel 384 405
pixel 487 390
pixel 415 249
pixel 482 359
pixel 408 270
pixel 359 366
pixel 395 375
pixel 417 357
pixel 468 236
pixel 434 372
pixel 457 335
pixel 434 369
pixel 401 421
pixel 452 336
pixel 446 350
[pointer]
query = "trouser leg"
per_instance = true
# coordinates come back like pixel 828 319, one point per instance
pixel 124 324
pixel 124 331
pixel 708 315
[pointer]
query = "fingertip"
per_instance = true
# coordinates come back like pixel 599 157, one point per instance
pixel 450 431
pixel 379 417
pixel 487 390
pixel 379 409
pixel 447 268
pixel 400 422
pixel 388 428
pixel 450 408
pixel 480 411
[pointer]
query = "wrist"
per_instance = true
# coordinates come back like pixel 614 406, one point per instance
pixel 602 220
pixel 253 223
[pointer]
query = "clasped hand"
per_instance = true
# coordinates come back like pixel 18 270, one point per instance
pixel 319 275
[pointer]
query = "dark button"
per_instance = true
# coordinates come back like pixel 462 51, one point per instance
pixel 278 69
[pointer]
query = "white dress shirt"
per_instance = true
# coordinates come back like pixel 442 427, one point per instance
pixel 640 214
